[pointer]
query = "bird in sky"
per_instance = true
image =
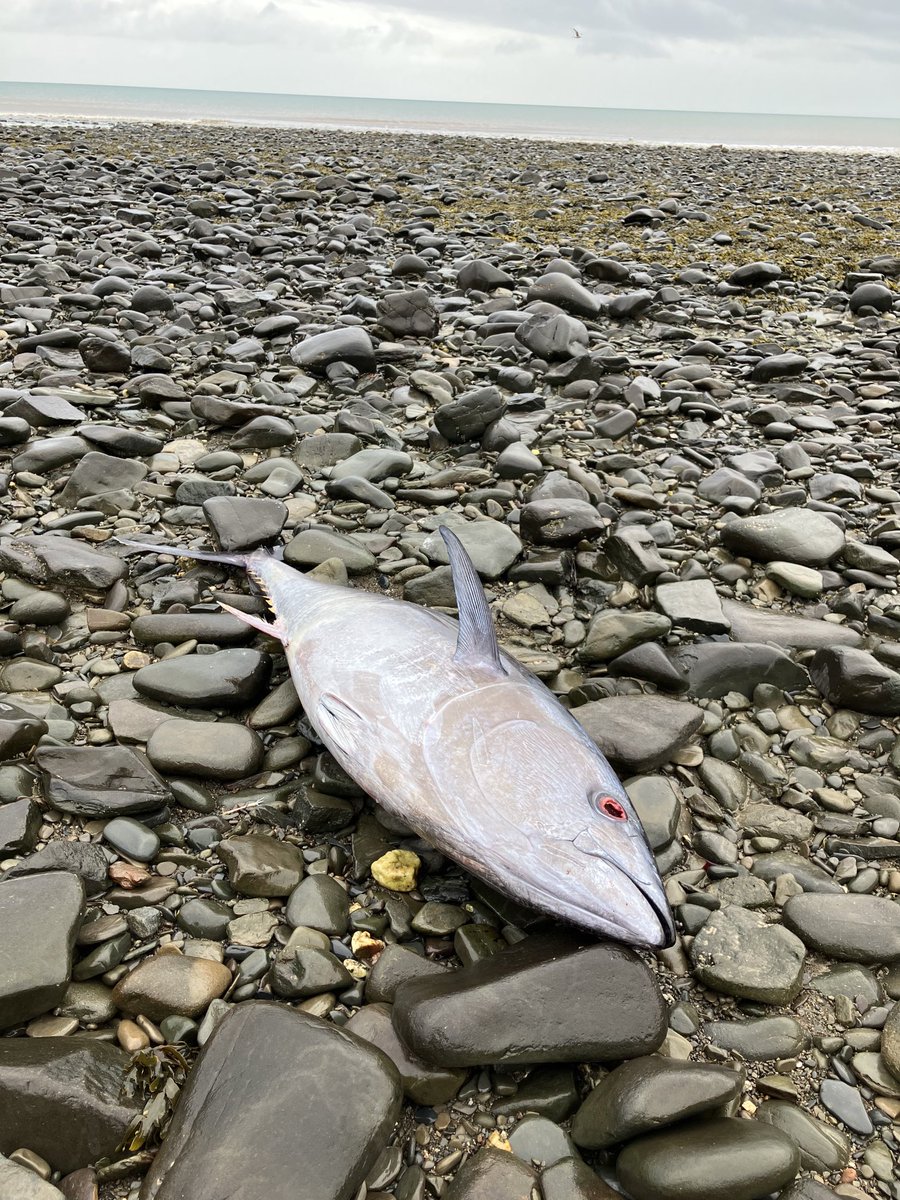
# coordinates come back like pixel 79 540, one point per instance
pixel 576 32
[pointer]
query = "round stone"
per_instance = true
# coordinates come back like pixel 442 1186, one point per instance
pixel 721 1159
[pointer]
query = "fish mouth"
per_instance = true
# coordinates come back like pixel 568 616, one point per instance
pixel 644 885
pixel 652 927
pixel 654 897
pixel 666 921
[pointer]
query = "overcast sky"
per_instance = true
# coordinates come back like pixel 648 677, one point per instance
pixel 790 56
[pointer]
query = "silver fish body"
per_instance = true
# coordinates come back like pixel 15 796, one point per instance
pixel 474 753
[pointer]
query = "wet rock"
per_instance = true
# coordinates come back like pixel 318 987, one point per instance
pixel 571 1179
pixel 693 604
pixel 19 825
pixel 220 628
pixel 19 731
pixel 658 806
pixel 822 1147
pixel 487 1013
pixel 84 859
pixel 492 1174
pixel 315 546
pixel 273 1078
pixel 737 953
pixel 750 624
pixel 307 971
pixel 58 560
pixel 613 633
pixel 220 750
pixel 560 523
pixel 21 1183
pixel 647 1093
pixel 890 1041
pixel 167 984
pixel 319 902
pixel 63 1099
pixel 467 417
pixel 760 1040
pixel 845 1102
pixel 851 678
pixel 243 522
pixel 409 314
pixel 97 473
pixel 714 669
pixel 99 781
pixel 483 276
pixel 422 1083
pixel 261 866
pixel 639 733
pixel 854 928
pixel 41 915
pixel 350 345
pixel 227 679
pixel 755 274
pixel 395 966
pixel 493 547
pixel 723 1159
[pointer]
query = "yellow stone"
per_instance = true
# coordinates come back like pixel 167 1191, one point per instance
pixel 499 1141
pixel 397 870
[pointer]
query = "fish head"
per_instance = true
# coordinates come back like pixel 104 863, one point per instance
pixel 546 817
pixel 604 875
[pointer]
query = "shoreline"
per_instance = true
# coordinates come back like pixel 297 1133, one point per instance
pixel 92 121
pixel 655 391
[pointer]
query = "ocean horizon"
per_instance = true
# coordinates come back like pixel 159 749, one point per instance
pixel 90 103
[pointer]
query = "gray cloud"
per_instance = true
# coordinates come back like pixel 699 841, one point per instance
pixel 638 28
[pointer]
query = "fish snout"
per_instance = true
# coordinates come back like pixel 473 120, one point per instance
pixel 633 893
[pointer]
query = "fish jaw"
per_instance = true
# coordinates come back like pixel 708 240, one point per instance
pixel 613 895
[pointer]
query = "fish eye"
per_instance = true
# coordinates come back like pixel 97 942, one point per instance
pixel 612 808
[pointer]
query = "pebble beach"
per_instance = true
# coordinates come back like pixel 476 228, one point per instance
pixel 655 392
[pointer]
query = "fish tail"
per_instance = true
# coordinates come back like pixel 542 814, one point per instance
pixel 233 560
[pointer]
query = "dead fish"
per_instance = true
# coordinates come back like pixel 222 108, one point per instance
pixel 442 728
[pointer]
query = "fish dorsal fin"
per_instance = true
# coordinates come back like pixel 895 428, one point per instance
pixel 477 642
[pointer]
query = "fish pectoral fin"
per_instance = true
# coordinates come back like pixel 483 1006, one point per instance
pixel 339 724
pixel 269 628
pixel 476 645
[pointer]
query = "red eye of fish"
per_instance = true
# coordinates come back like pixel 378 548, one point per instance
pixel 612 808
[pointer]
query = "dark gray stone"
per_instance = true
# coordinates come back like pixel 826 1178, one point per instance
pixel 862 929
pixel 41 916
pixel 647 1093
pixel 227 679
pixel 243 522
pixel 215 749
pixel 349 344
pixel 722 1159
pixel 99 781
pixel 63 1099
pixel 738 954
pixel 275 1079
pixel 547 999
pixel 852 678
pixel 795 535
pixel 639 733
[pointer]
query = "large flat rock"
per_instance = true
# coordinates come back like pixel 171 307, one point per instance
pixel 99 781
pixel 639 733
pixel 62 1098
pixel 278 1104
pixel 550 998
pixel 40 918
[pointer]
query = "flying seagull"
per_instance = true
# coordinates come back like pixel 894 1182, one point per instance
pixel 576 32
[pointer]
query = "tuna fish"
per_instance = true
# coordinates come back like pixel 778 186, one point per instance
pixel 445 730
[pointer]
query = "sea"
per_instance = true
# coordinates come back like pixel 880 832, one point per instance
pixel 88 103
